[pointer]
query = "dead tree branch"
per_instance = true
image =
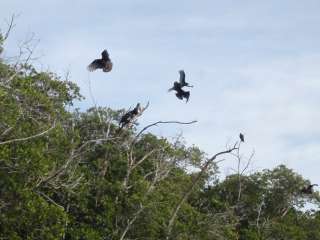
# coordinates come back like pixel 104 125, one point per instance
pixel 240 171
pixel 11 25
pixel 30 137
pixel 203 170
pixel 131 222
pixel 48 199
pixel 160 122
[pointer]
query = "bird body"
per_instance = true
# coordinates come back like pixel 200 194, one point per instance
pixel 103 63
pixel 130 115
pixel 241 136
pixel 183 94
pixel 177 86
pixel 125 119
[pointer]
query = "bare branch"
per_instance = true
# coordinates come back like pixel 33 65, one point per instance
pixel 203 170
pixel 99 140
pixel 30 137
pixel 160 122
pixel 131 222
pixel 145 157
pixel 259 214
pixel 49 199
pixel 11 25
pixel 241 172
pixel 6 131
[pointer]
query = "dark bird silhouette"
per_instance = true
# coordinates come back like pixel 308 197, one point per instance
pixel 129 116
pixel 180 93
pixel 308 189
pixel 182 79
pixel 104 63
pixel 177 86
pixel 241 136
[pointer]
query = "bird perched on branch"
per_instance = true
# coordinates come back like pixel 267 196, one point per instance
pixel 103 63
pixel 241 136
pixel 130 115
pixel 177 86
pixel 308 189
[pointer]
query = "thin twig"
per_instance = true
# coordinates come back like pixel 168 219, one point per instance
pixel 49 199
pixel 10 26
pixel 160 122
pixel 30 137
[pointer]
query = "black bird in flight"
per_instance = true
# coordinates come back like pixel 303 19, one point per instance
pixel 180 93
pixel 308 189
pixel 241 136
pixel 129 116
pixel 177 86
pixel 103 63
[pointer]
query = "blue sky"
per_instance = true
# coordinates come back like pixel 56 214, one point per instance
pixel 254 64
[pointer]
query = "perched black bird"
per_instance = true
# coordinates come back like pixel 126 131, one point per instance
pixel 104 63
pixel 308 189
pixel 182 79
pixel 129 116
pixel 241 136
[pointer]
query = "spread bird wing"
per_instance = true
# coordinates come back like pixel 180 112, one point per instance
pixel 97 63
pixel 182 79
pixel 105 55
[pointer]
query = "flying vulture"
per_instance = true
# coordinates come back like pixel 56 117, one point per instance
pixel 308 189
pixel 103 63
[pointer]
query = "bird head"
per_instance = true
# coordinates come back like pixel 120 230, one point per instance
pixel 138 107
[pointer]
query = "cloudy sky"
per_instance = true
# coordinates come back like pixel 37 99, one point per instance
pixel 254 64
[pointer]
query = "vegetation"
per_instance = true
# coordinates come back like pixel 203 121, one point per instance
pixel 73 175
